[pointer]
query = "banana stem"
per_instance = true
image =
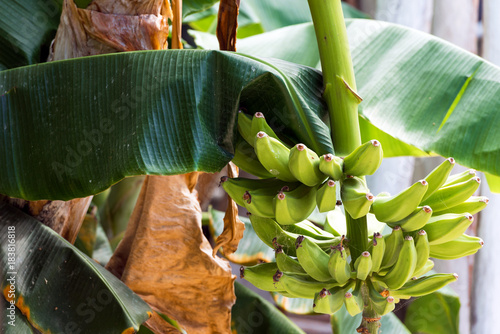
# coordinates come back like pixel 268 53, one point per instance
pixel 370 322
pixel 342 100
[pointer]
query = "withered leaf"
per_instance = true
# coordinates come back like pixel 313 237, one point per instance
pixel 227 23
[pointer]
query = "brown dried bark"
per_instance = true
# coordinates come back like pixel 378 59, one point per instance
pixel 227 23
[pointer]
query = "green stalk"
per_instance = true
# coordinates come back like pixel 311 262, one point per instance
pixel 342 101
pixel 368 321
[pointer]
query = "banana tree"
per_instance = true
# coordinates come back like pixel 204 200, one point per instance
pixel 171 112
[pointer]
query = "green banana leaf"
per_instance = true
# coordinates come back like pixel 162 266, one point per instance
pixel 493 182
pixel 343 323
pixel 72 128
pixel 251 250
pixel 253 314
pixel 102 249
pixel 434 313
pixel 59 288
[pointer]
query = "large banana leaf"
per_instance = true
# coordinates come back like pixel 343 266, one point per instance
pixel 72 128
pixel 58 288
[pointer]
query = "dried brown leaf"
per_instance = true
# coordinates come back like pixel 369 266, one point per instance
pixel 165 258
pixel 158 325
pixel 233 226
pixel 227 23
pixel 177 24
pixel 99 30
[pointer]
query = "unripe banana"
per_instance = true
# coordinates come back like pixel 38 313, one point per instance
pixel 286 263
pixel 423 248
pixel 445 228
pixel 259 202
pixel 329 301
pixel 393 245
pixel 438 177
pixel 259 123
pixel 364 160
pixel 245 127
pixel 473 205
pixel 404 267
pixel 356 197
pixel 272 234
pixel 273 155
pixel 308 229
pixel 377 250
pixel 246 159
pixel 303 285
pixel 264 276
pixel 238 187
pixel 464 245
pixel 382 305
pixel 352 304
pixel 338 266
pixel 304 165
pixel 292 207
pixel 313 259
pixel 326 197
pixel 424 285
pixel 459 178
pixel 451 195
pixel 429 265
pixel 332 166
pixel 415 220
pixel 363 265
pixel 391 209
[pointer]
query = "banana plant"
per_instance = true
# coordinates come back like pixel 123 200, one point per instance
pixel 170 112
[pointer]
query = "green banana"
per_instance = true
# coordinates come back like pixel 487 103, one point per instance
pixel 415 220
pixel 313 259
pixel 404 267
pixel 260 202
pixel 245 127
pixel 438 176
pixel 329 301
pixel 459 178
pixel 294 206
pixel 447 227
pixel 273 155
pixel 377 250
pixel 391 209
pixel 382 305
pixel 338 266
pixel 451 195
pixel 304 165
pixel 423 248
pixel 393 245
pixel 423 285
pixel 363 265
pixel 356 197
pixel 425 269
pixel 352 304
pixel 264 276
pixel 364 160
pixel 308 229
pixel 326 197
pixel 332 166
pixel 473 205
pixel 246 159
pixel 272 234
pixel 259 123
pixel 238 187
pixel 462 246
pixel 303 285
pixel 285 263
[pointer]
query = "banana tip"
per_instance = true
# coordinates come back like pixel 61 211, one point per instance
pixel 339 203
pixel 328 157
pixel 324 292
pixel 408 238
pixel 478 180
pixel 455 275
pixel 259 115
pixel 451 160
pixel 396 228
pixel 485 200
pixel 348 295
pixel 390 299
pixel 365 254
pixel 300 147
pixel 469 217
pixel 261 134
pixel 427 209
pixel 481 242
pixel 370 197
pixel 375 143
pixel 472 171
pixel 331 183
pixel 423 182
pixel 422 232
pixel 281 195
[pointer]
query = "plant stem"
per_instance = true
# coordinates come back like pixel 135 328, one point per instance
pixel 370 322
pixel 342 101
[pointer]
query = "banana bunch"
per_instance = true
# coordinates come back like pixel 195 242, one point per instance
pixel 428 220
